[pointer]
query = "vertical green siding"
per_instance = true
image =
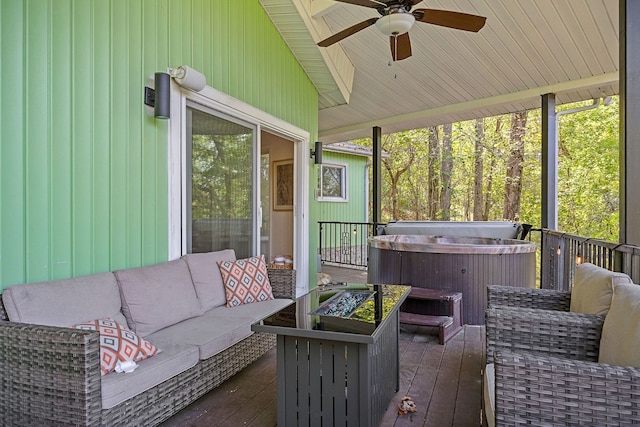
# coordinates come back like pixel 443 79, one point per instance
pixel 83 169
pixel 351 211
pixel 354 209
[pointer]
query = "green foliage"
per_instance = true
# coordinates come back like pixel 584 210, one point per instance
pixel 588 171
pixel 221 187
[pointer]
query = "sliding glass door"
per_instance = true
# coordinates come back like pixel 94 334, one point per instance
pixel 221 192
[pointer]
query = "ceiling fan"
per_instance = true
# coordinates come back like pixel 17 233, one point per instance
pixel 397 19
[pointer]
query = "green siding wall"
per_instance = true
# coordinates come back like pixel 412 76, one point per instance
pixel 354 209
pixel 83 169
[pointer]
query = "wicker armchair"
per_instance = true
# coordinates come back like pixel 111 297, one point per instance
pixel 546 371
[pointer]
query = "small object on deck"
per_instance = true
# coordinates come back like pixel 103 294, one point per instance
pixel 406 405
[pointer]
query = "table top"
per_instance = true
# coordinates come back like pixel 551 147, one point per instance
pixel 349 312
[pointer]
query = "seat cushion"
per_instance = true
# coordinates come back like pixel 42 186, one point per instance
pixel 256 311
pixel 489 394
pixel 171 361
pixel 206 276
pixel 65 302
pixel 209 335
pixel 219 328
pixel 593 288
pixel 157 296
pixel 620 341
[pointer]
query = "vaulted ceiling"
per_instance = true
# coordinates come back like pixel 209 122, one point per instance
pixel 527 48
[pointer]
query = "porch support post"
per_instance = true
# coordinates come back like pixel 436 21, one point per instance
pixel 549 163
pixel 377 178
pixel 629 121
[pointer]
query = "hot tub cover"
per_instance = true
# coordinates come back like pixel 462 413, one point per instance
pixel 488 229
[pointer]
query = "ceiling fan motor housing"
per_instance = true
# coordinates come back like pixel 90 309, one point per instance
pixel 395 23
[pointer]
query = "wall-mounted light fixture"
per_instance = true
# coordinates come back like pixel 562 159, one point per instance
pixel 317 153
pixel 159 96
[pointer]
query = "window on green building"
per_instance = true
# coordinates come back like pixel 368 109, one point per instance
pixel 332 183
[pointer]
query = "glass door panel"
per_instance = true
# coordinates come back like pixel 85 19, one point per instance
pixel 221 207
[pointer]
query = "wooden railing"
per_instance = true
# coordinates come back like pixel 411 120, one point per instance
pixel 561 252
pixel 345 243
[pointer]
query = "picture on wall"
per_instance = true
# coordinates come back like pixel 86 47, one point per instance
pixel 283 185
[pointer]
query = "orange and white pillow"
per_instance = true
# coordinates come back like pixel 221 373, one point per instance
pixel 245 281
pixel 118 343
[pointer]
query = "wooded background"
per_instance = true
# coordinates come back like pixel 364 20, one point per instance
pixel 490 169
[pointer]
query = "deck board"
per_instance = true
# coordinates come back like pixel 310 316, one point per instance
pixel 444 381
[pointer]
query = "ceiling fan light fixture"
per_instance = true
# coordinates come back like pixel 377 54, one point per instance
pixel 395 23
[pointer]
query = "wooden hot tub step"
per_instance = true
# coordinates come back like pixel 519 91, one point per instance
pixel 448 324
pixel 425 319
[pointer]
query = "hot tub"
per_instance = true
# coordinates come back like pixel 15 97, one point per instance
pixel 462 264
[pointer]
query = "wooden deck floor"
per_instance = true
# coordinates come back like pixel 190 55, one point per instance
pixel 444 381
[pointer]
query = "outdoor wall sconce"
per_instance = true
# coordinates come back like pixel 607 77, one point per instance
pixel 317 153
pixel 159 97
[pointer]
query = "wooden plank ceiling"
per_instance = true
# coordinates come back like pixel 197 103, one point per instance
pixel 527 48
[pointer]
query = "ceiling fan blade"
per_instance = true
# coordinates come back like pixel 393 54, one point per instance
pixel 366 3
pixel 347 32
pixel 450 19
pixel 400 47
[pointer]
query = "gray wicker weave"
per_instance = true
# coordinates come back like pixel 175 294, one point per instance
pixel 51 376
pixel 556 333
pixel 281 282
pixel 547 372
pixel 544 299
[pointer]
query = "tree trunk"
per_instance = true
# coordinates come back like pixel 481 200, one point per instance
pixel 478 171
pixel 513 180
pixel 446 170
pixel 489 199
pixel 434 184
pixel 394 178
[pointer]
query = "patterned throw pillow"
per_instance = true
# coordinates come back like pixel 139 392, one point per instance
pixel 245 281
pixel 118 343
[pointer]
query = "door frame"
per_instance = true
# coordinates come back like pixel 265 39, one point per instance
pixel 176 158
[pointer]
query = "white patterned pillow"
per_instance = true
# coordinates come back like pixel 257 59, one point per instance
pixel 245 281
pixel 118 343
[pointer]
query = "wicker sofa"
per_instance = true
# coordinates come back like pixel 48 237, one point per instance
pixel 51 373
pixel 545 362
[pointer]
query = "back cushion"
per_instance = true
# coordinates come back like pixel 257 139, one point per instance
pixel 206 276
pixel 157 296
pixel 65 302
pixel 593 289
pixel 620 341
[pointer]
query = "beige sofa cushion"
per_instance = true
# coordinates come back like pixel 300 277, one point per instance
pixel 593 288
pixel 620 341
pixel 206 276
pixel 219 328
pixel 157 296
pixel 489 394
pixel 65 302
pixel 171 361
